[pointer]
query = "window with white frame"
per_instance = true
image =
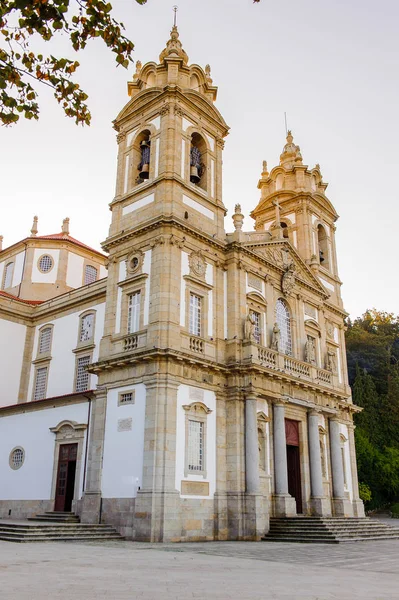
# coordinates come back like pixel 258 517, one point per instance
pixel 86 327
pixel 133 313
pixel 283 320
pixel 82 375
pixel 45 340
pixel 195 315
pixel 256 320
pixel 40 383
pixel 90 274
pixel 8 273
pixel 195 446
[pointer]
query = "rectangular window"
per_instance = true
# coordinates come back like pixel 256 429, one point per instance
pixel 133 315
pixel 82 376
pixel 90 274
pixel 195 315
pixel 256 319
pixel 8 273
pixel 45 340
pixel 195 446
pixel 125 398
pixel 86 327
pixel 40 383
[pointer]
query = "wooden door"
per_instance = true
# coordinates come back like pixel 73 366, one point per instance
pixel 65 477
pixel 294 476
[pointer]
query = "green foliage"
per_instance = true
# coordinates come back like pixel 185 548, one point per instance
pixel 394 508
pixel 365 493
pixel 373 353
pixel 21 69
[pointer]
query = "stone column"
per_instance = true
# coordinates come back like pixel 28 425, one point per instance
pixel 251 446
pixel 318 503
pixel 342 506
pixel 91 506
pixel 284 503
pixel 357 503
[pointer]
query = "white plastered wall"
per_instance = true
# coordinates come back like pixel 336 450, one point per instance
pixel 61 371
pixel 31 431
pixel 50 276
pixel 18 268
pixel 74 270
pixel 209 399
pixel 124 444
pixel 11 360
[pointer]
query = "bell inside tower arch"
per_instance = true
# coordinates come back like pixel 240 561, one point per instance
pixel 198 158
pixel 145 151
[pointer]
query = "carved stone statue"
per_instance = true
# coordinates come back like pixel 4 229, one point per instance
pixel 276 338
pixel 249 328
pixel 310 351
pixel 331 362
pixel 288 279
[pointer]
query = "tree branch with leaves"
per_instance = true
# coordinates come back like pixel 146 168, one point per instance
pixel 21 69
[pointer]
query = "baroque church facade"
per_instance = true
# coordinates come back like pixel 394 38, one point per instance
pixel 189 383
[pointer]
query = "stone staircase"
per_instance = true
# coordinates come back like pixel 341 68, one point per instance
pixel 328 530
pixel 55 527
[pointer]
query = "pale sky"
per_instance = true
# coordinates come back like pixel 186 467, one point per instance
pixel 331 65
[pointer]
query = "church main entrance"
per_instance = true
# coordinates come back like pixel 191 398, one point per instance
pixel 293 462
pixel 66 477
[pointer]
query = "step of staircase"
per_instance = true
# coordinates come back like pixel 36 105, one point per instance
pixel 328 530
pixel 56 516
pixel 50 530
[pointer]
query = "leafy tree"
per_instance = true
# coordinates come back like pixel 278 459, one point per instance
pixel 21 68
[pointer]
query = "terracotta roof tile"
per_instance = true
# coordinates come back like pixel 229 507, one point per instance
pixel 68 238
pixel 12 297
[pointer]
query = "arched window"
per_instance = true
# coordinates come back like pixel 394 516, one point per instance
pixel 283 321
pixel 86 329
pixel 198 161
pixel 323 247
pixel 8 273
pixel 44 346
pixel 90 274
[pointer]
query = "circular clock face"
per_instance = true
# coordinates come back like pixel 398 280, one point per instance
pixel 198 265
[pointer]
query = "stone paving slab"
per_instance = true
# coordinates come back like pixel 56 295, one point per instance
pixel 215 571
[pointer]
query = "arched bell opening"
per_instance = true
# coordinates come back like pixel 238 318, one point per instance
pixel 284 227
pixel 323 247
pixel 142 157
pixel 198 161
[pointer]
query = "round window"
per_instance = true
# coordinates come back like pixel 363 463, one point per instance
pixel 45 263
pixel 17 457
pixel 135 262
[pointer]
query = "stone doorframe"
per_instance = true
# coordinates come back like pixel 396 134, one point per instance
pixel 68 432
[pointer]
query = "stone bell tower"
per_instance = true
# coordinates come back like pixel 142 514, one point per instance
pixel 305 215
pixel 172 122
pixel 167 216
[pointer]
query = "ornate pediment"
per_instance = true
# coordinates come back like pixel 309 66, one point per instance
pixel 282 255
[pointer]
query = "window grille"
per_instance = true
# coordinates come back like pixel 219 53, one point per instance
pixel 17 458
pixel 8 273
pixel 86 327
pixel 257 326
pixel 133 317
pixel 45 340
pixel 82 376
pixel 195 315
pixel 90 274
pixel 45 263
pixel 284 323
pixel 40 383
pixel 195 446
pixel 126 398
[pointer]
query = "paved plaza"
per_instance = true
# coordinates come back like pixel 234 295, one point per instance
pixel 219 570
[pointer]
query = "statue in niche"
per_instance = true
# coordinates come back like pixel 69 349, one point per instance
pixel 249 328
pixel 262 449
pixel 310 351
pixel 276 338
pixel 331 361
